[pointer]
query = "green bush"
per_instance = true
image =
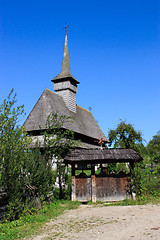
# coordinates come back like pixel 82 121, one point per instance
pixel 144 182
pixel 32 219
pixel 25 174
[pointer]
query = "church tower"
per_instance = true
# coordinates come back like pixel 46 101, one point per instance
pixel 65 84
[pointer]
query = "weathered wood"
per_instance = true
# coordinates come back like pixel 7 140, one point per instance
pixel 93 182
pixel 94 195
pixel 112 188
pixel 102 187
pixel 73 195
pixel 89 156
pixel 83 187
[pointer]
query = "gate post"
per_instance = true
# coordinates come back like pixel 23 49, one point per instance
pixel 73 196
pixel 93 184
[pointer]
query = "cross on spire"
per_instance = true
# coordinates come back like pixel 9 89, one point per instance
pixel 65 28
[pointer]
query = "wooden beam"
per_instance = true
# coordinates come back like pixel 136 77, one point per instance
pixel 93 184
pixel 73 196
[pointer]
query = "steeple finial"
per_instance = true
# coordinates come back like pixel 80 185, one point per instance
pixel 65 28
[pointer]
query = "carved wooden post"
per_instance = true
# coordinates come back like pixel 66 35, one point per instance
pixel 93 183
pixel 73 196
pixel 133 194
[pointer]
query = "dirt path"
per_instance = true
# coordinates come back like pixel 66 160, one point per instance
pixel 107 223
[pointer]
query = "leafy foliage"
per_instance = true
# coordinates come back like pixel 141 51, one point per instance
pixel 153 148
pixel 13 141
pixel 57 142
pixel 26 173
pixel 144 180
pixel 145 183
pixel 32 220
pixel 23 174
pixel 125 136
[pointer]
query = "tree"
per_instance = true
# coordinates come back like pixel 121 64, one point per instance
pixel 26 171
pixel 13 141
pixel 125 136
pixel 57 142
pixel 153 148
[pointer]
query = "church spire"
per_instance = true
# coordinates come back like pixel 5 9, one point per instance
pixel 64 83
pixel 65 70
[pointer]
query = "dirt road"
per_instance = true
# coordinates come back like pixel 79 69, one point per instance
pixel 107 223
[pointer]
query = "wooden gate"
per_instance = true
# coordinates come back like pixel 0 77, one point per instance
pixel 83 187
pixel 113 187
pixel 102 187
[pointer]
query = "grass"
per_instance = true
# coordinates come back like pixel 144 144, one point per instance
pixel 30 222
pixel 128 202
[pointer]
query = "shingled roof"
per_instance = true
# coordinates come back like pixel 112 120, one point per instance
pixel 50 102
pixel 102 156
pixel 65 71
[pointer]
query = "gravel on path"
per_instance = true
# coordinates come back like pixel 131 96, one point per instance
pixel 107 223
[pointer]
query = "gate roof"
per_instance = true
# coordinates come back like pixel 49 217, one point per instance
pixel 104 155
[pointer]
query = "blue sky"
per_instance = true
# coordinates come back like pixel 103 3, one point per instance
pixel 114 50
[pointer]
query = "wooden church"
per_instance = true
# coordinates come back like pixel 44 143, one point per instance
pixel 63 102
pixel 102 186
